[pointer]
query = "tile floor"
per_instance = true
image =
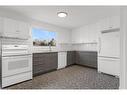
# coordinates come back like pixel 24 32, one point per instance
pixel 73 77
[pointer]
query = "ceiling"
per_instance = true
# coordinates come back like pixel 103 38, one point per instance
pixel 77 15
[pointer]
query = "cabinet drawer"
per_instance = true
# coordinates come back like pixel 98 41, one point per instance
pixel 109 66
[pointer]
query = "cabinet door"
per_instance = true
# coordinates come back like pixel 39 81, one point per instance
pixel 104 24
pixel 38 63
pixel 87 58
pixel 62 60
pixel 76 36
pixel 38 59
pixel 15 29
pixel 109 23
pixel 37 69
pixel 10 28
pixel 51 61
pixel 70 57
pixel 44 62
pixel 77 54
pixel 24 30
pixel 114 22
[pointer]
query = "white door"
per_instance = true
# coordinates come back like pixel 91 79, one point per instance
pixel 62 60
pixel 110 44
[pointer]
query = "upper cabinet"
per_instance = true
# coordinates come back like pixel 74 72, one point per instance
pixel 63 37
pixel 90 33
pixel 110 23
pixel 15 29
pixel 76 36
pixel 86 34
pixel 114 22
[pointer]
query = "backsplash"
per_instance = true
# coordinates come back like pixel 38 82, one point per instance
pixel 64 47
pixel 85 47
pixel 59 47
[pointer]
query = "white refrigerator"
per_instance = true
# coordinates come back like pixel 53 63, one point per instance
pixel 109 52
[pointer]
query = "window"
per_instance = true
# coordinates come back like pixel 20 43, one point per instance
pixel 43 38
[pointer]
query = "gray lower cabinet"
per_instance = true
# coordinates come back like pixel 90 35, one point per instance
pixel 70 57
pixel 86 58
pixel 44 62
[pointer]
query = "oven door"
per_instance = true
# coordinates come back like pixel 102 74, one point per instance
pixel 13 65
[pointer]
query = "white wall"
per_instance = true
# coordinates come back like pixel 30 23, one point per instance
pixel 123 66
pixel 63 35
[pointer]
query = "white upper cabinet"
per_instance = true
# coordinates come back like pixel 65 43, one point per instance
pixel 104 24
pixel 90 33
pixel 87 34
pixel 63 37
pixel 10 28
pixel 76 36
pixel 110 23
pixel 114 22
pixel 24 30
pixel 15 29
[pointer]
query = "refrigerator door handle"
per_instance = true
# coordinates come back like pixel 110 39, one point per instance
pixel 99 45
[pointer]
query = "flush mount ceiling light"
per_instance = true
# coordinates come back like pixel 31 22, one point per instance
pixel 62 14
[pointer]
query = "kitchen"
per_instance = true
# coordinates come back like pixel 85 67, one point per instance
pixel 79 49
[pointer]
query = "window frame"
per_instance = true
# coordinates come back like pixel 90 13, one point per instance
pixel 43 47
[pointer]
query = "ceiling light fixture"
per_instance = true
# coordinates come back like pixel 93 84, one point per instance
pixel 62 14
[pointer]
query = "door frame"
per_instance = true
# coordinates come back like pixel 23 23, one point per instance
pixel 123 47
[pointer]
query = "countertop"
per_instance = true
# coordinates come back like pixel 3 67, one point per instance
pixel 49 51
pixel 54 51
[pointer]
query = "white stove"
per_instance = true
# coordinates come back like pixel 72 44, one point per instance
pixel 16 64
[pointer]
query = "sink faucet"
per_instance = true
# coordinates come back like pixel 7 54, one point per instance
pixel 50 49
